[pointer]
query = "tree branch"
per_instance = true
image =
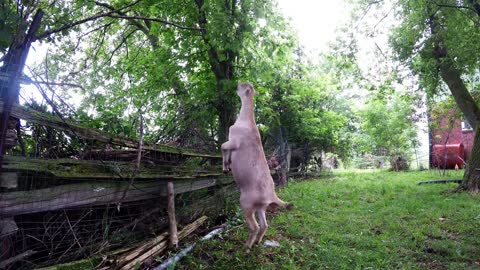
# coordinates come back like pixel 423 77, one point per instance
pixel 91 18
pixel 59 84
pixel 144 28
pixel 455 6
pixel 124 41
pixel 476 6
pixel 154 20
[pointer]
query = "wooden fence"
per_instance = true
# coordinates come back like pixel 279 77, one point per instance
pixel 97 177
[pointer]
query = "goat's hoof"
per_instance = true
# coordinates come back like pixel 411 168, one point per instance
pixel 289 206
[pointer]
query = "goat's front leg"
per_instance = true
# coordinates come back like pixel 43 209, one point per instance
pixel 227 149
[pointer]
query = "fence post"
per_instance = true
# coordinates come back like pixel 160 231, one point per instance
pixel 173 235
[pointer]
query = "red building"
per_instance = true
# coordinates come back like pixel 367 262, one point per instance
pixel 456 138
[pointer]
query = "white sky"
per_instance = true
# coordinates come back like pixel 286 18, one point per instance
pixel 315 20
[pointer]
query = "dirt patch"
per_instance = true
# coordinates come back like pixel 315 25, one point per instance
pixel 436 265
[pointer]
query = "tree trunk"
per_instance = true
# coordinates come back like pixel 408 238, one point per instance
pixel 225 108
pixel 9 90
pixel 283 155
pixel 452 77
pixel 471 178
pixel 223 69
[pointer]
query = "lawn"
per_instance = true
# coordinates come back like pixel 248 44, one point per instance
pixel 359 220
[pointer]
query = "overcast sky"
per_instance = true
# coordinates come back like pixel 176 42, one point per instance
pixel 315 20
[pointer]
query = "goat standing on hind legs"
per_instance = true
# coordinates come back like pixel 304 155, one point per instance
pixel 243 155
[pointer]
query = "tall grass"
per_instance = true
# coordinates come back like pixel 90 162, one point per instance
pixel 359 220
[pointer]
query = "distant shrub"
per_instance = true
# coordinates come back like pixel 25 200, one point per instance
pixel 399 163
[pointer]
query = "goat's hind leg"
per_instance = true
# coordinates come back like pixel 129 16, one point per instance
pixel 262 219
pixel 253 228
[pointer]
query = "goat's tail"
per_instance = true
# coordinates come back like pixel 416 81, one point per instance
pixel 279 203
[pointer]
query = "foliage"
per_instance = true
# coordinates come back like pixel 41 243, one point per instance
pixel 181 78
pixel 358 219
pixel 413 40
pixel 386 127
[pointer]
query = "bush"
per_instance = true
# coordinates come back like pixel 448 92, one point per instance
pixel 399 163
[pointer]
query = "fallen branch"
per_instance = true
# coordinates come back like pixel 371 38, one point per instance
pixel 45 119
pixel 184 252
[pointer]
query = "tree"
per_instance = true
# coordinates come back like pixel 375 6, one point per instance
pixel 439 40
pixel 388 127
pixel 180 74
pixel 133 62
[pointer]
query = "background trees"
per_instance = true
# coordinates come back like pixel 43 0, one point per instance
pixel 177 63
pixel 438 40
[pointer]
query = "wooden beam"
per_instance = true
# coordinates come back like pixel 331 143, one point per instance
pixel 91 169
pixel 92 193
pixel 8 180
pixel 74 129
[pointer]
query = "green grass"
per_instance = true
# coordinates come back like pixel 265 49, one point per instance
pixel 359 220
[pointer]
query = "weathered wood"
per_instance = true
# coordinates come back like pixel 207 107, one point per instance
pixel 7 226
pixel 160 247
pixel 50 120
pixel 8 180
pixel 92 193
pixel 17 258
pixel 91 169
pixel 172 220
pixel 147 245
pixel 137 163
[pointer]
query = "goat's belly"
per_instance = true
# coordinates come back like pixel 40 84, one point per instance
pixel 248 180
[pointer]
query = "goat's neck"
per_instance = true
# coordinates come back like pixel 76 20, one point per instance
pixel 246 112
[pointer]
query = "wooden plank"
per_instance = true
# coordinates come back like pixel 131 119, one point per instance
pixel 91 169
pixel 147 245
pixel 74 129
pixel 7 226
pixel 161 246
pixel 8 180
pixel 92 193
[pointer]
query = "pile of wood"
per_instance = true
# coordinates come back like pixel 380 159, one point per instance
pixel 152 247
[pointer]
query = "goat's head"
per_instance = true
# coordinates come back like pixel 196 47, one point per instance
pixel 246 90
